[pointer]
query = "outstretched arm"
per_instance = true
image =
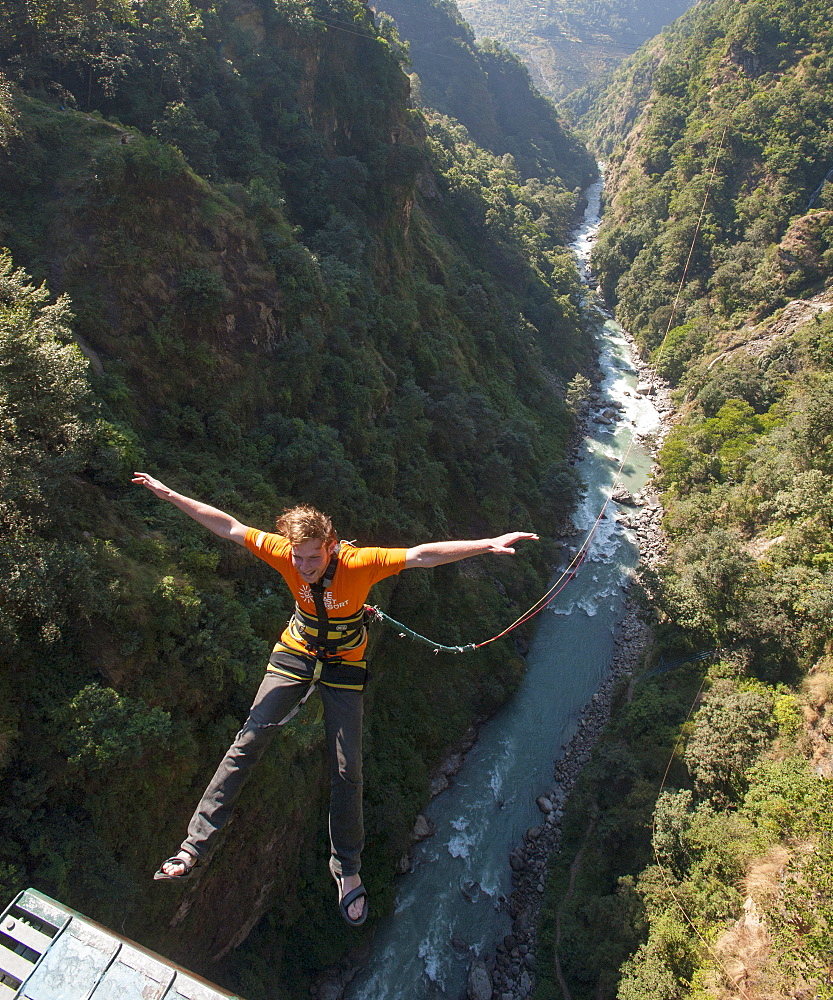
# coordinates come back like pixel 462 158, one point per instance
pixel 439 553
pixel 218 521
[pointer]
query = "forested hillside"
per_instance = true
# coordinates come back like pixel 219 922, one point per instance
pixel 239 260
pixel 241 257
pixel 487 89
pixel 697 857
pixel 569 44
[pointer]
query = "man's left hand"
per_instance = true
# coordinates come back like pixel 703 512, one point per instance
pixel 505 543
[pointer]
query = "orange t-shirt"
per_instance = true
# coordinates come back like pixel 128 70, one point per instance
pixel 357 570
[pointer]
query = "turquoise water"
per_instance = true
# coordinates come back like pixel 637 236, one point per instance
pixel 484 814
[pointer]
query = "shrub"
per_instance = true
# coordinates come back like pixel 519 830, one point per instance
pixel 731 730
pixel 109 730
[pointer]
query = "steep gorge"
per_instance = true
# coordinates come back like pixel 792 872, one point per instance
pixel 287 283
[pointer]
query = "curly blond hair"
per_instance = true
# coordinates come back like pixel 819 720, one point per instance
pixel 303 524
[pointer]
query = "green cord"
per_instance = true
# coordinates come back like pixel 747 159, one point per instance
pixel 406 632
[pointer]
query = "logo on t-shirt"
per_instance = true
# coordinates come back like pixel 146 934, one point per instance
pixel 305 594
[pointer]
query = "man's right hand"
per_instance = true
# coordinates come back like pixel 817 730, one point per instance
pixel 143 479
pixel 222 524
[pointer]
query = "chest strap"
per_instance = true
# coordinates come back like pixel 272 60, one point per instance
pixel 318 589
pixel 337 635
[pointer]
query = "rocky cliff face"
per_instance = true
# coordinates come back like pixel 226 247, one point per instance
pixel 490 92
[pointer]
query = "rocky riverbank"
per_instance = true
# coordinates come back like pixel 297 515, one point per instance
pixel 509 974
pixel 511 970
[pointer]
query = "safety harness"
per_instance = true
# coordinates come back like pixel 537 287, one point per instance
pixel 325 638
pixel 320 633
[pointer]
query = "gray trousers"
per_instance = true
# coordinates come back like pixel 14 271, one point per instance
pixel 274 700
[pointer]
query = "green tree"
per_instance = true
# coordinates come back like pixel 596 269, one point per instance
pixel 731 730
pixel 706 586
pixel 180 127
pixel 107 730
pixel 578 390
pixel 672 820
pixel 661 967
pixel 814 426
pixel 47 412
pixel 8 129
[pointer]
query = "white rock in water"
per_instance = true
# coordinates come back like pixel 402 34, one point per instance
pixel 404 865
pixel 439 783
pixel 330 990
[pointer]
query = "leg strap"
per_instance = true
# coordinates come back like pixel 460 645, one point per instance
pixel 316 676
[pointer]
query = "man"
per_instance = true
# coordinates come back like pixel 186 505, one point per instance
pixel 323 645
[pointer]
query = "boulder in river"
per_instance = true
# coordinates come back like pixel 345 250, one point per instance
pixel 330 989
pixel 438 784
pixel 621 495
pixel 423 828
pixel 479 984
pixel 404 864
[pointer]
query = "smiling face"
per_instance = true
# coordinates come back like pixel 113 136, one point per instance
pixel 311 558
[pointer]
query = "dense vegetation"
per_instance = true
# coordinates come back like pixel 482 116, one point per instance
pixel 239 260
pixel 238 257
pixel 714 879
pixel 725 876
pixel 748 87
pixel 569 44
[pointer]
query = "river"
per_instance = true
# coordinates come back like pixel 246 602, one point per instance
pixel 449 908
